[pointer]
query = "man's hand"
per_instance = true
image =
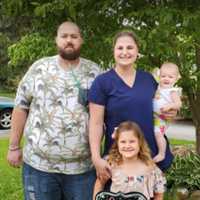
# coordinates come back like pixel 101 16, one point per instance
pixel 15 157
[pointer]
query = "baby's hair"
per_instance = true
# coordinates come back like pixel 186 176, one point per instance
pixel 171 65
pixel 144 154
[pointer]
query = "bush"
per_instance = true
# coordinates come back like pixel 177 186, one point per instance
pixel 30 48
pixel 185 171
pixel 185 111
pixel 22 54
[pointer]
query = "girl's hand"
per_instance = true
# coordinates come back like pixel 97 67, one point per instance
pixel 103 169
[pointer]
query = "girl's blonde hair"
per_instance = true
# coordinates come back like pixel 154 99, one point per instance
pixel 144 154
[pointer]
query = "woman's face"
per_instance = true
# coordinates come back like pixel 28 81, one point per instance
pixel 125 51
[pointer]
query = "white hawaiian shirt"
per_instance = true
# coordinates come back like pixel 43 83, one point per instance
pixel 56 130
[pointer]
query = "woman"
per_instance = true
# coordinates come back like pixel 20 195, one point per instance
pixel 120 94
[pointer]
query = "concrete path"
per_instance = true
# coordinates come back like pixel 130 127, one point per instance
pixel 177 130
pixel 4 133
pixel 181 130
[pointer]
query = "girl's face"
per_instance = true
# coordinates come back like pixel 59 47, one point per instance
pixel 125 51
pixel 168 77
pixel 128 145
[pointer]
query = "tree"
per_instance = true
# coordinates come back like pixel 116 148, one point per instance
pixel 167 30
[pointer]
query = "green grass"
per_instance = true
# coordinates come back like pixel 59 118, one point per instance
pixel 10 178
pixel 181 142
pixel 6 93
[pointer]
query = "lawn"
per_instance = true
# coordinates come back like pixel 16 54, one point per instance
pixel 181 142
pixel 10 178
pixel 6 93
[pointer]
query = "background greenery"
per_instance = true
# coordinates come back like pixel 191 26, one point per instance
pixel 10 184
pixel 166 29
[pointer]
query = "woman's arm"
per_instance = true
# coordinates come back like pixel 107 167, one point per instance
pixel 96 123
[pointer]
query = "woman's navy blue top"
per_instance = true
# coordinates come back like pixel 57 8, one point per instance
pixel 125 103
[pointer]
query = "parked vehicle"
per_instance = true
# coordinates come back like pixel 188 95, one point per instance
pixel 6 107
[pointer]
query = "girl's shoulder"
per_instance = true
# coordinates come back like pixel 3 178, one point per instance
pixel 156 175
pixel 155 170
pixel 177 90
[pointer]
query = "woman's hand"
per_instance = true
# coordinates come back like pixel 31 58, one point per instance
pixel 103 169
pixel 169 114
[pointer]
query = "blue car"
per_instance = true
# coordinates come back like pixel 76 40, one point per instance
pixel 6 107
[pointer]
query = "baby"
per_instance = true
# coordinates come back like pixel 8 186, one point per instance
pixel 167 97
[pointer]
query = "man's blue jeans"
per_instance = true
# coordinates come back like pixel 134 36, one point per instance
pixel 40 185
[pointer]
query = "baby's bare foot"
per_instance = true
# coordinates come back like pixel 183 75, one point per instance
pixel 159 157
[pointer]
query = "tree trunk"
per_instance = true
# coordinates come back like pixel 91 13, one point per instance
pixel 195 102
pixel 198 138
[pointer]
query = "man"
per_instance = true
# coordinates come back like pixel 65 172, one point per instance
pixel 50 109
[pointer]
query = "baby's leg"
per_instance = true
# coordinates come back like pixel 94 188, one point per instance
pixel 161 143
pixel 160 128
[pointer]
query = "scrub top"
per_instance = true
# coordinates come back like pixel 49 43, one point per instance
pixel 125 103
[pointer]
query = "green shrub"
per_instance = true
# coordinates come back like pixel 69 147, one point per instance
pixel 185 171
pixel 30 48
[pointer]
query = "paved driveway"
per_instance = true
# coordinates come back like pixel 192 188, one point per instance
pixel 181 130
pixel 4 133
pixel 178 130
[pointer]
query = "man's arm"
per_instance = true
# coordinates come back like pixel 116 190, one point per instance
pixel 95 136
pixel 158 196
pixel 18 121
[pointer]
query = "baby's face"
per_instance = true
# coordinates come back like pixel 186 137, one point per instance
pixel 168 77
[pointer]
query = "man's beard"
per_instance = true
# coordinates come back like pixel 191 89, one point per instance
pixel 73 55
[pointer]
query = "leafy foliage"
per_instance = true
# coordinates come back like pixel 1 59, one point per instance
pixel 30 48
pixel 185 172
pixel 168 30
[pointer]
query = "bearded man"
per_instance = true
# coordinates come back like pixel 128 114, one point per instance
pixel 51 111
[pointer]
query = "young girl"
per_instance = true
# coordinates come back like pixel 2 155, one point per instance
pixel 167 97
pixel 132 168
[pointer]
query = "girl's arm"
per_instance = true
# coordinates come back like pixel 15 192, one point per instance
pixel 158 196
pixel 175 104
pixel 176 100
pixel 96 122
pixel 98 186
